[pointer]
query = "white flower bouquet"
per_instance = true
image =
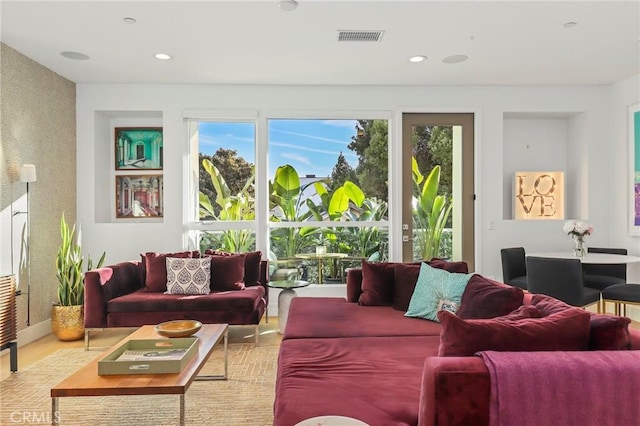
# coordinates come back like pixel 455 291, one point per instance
pixel 577 228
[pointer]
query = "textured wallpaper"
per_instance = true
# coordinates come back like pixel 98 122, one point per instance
pixel 38 125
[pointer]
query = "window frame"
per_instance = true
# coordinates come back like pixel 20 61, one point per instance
pixel 261 225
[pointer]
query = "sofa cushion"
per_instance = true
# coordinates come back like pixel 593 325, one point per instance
pixel 252 261
pixel 567 330
pixel 188 276
pixel 154 269
pixel 335 317
pixel 227 272
pixel 377 284
pixel 436 289
pixel 141 301
pixel 374 379
pixel 609 333
pixel 486 298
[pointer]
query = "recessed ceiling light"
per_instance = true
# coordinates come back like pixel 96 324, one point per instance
pixel 129 20
pixel 418 58
pixel 74 55
pixel 569 24
pixel 288 5
pixel 454 59
pixel 162 56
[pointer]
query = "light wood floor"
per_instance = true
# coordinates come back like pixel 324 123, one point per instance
pixel 41 348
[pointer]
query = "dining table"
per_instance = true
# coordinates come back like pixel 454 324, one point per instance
pixel 319 257
pixel 590 258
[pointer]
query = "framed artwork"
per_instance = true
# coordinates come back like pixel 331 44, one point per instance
pixel 139 196
pixel 138 148
pixel 634 169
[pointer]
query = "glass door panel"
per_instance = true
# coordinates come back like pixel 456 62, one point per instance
pixel 438 199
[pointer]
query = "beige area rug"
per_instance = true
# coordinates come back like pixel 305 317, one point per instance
pixel 246 398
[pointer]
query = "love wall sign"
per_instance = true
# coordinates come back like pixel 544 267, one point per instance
pixel 539 195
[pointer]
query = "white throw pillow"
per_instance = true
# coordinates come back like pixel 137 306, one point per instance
pixel 188 276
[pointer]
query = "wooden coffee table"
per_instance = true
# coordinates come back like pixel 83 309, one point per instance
pixel 87 382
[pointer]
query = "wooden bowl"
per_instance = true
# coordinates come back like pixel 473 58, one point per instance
pixel 178 328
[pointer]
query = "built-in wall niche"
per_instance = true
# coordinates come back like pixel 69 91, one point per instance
pixel 106 176
pixel 546 141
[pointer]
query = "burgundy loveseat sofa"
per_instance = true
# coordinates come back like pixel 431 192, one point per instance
pixel 132 294
pixel 370 362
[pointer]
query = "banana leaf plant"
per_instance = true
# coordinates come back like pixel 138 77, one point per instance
pixel 365 241
pixel 231 207
pixel 287 202
pixel 430 211
pixel 334 207
pixel 69 265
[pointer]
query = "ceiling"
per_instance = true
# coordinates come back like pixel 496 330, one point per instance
pixel 256 42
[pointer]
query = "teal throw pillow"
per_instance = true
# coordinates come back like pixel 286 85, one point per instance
pixel 436 289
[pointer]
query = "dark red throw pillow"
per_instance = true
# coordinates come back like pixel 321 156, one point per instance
pixel 548 305
pixel 404 283
pixel 484 298
pixel 251 264
pixel 377 284
pixel 524 311
pixel 459 267
pixel 609 333
pixel 564 331
pixel 154 271
pixel 227 272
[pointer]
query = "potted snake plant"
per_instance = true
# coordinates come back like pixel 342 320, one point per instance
pixel 67 315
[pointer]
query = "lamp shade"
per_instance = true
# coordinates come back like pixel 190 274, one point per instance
pixel 28 173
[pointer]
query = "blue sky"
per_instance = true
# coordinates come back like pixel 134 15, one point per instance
pixel 310 146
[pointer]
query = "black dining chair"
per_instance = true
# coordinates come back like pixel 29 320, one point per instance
pixel 601 276
pixel 560 278
pixel 514 267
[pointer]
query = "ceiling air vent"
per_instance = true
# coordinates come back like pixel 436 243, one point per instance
pixel 344 35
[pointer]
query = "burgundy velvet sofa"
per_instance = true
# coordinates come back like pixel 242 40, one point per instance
pixel 372 363
pixel 131 294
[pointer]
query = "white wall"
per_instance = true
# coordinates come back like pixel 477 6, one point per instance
pixel 599 130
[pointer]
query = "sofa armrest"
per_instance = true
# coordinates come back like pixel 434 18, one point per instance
pixel 455 392
pixel 103 284
pixel 354 284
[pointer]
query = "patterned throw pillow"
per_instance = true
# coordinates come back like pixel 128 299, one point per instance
pixel 436 289
pixel 188 276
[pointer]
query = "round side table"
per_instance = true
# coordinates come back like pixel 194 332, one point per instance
pixel 331 421
pixel 287 293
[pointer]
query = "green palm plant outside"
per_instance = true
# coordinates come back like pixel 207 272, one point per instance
pixel 69 266
pixel 334 207
pixel 231 207
pixel 365 241
pixel 287 201
pixel 430 211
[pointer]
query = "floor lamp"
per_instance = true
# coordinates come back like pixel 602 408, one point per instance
pixel 27 175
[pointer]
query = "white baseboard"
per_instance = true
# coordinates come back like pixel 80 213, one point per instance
pixel 34 332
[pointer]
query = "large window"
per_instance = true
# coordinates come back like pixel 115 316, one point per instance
pixel 224 209
pixel 327 191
